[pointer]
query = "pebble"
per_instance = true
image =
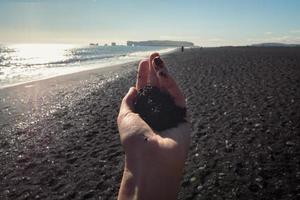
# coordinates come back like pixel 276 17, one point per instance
pixel 226 144
pixel 257 125
pixel 202 167
pixel 289 143
pixel 20 156
pixel 200 187
pixel 259 145
pixel 258 179
pixel 193 179
pixel 270 148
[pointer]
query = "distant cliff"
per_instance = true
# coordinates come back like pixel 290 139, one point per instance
pixel 165 43
pixel 275 45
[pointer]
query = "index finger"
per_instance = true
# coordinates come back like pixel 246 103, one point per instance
pixel 167 82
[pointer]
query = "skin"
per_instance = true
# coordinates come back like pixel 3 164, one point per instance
pixel 154 161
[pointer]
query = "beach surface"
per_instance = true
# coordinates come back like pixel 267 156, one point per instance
pixel 59 137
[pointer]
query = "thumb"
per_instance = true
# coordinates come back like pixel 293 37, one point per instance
pixel 128 101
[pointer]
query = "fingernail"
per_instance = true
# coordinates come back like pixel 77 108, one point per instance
pixel 158 61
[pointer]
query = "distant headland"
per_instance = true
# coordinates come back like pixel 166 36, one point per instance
pixel 165 43
pixel 275 45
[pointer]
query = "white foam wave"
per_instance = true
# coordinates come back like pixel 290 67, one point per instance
pixel 14 75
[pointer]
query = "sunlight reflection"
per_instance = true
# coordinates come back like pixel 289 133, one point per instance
pixel 31 54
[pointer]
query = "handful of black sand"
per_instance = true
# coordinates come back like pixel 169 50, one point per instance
pixel 158 109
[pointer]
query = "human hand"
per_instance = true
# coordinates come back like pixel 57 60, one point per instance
pixel 153 161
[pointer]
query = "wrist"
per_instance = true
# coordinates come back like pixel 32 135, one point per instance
pixel 142 179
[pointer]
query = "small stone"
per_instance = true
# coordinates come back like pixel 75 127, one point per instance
pixel 257 125
pixel 270 148
pixel 202 167
pixel 20 156
pixel 193 179
pixel 259 145
pixel 67 126
pixel 226 144
pixel 200 187
pixel 260 186
pixel 259 179
pixel 289 143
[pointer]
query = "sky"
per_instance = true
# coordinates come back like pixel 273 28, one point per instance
pixel 204 22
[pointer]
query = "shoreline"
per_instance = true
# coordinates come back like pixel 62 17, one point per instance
pixel 62 76
pixel 29 102
pixel 92 66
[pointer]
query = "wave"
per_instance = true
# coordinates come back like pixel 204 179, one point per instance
pixel 18 67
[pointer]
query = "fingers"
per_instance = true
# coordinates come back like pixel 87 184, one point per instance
pixel 128 101
pixel 142 75
pixel 152 79
pixel 155 73
pixel 167 82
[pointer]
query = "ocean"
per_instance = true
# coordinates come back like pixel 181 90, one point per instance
pixel 20 63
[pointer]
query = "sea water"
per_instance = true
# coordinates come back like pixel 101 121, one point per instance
pixel 21 63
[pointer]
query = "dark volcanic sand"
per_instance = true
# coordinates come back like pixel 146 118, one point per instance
pixel 59 138
pixel 158 109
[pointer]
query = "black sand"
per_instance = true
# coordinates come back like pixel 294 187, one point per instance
pixel 158 109
pixel 59 139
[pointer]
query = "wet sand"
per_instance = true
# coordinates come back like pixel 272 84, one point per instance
pixel 59 139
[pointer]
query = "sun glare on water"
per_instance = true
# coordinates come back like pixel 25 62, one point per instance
pixel 31 54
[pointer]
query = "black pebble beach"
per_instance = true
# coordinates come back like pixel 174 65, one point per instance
pixel 59 137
